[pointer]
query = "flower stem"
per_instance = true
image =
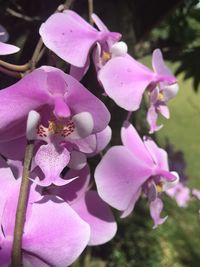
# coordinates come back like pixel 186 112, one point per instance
pixel 90 10
pixel 21 207
pixel 14 67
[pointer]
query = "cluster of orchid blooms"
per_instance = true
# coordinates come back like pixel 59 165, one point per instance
pixel 68 124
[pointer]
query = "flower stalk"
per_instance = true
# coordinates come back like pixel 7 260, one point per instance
pixel 21 207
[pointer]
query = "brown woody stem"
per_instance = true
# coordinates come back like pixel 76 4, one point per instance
pixel 21 207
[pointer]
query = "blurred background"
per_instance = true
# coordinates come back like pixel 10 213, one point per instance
pixel 174 27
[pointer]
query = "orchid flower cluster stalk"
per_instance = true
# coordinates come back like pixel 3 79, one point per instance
pixel 61 124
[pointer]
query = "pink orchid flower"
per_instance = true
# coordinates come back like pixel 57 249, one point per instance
pixel 181 193
pixel 71 118
pixel 72 39
pixel 133 168
pixel 6 49
pixel 54 234
pixel 125 81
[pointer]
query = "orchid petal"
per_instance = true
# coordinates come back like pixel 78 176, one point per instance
pixel 132 141
pixel 31 261
pixel 79 99
pixel 131 206
pixel 73 191
pixel 62 33
pixel 159 155
pixel 164 110
pixel 79 72
pixel 86 145
pixel 6 49
pixel 156 207
pixel 158 63
pixel 99 23
pixel 170 91
pixel 55 232
pixel 119 176
pixel 77 161
pixel 13 115
pixel 125 80
pixel 93 210
pixel 52 160
pixel 102 140
pixel 152 117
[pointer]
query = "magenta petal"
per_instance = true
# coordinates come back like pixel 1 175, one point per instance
pixel 62 33
pixel 132 141
pixel 79 72
pixel 6 49
pixel 77 161
pixel 131 206
pixel 125 80
pixel 99 23
pixel 119 176
pixel 159 65
pixel 164 110
pixel 102 140
pixel 55 232
pixel 52 160
pixel 32 92
pixel 86 145
pixel 158 154
pixel 156 207
pixel 75 190
pixel 8 183
pixel 152 116
pixel 5 253
pixel 79 99
pixel 98 215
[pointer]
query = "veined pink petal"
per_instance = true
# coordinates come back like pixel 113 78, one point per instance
pixel 93 210
pixel 79 99
pixel 125 80
pixel 55 233
pixel 32 92
pixel 159 155
pixel 119 176
pixel 132 141
pixel 159 64
pixel 62 33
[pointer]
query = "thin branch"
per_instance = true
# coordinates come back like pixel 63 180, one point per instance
pixel 21 207
pixel 14 67
pixel 90 10
pixel 11 73
pixel 21 16
pixel 36 53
